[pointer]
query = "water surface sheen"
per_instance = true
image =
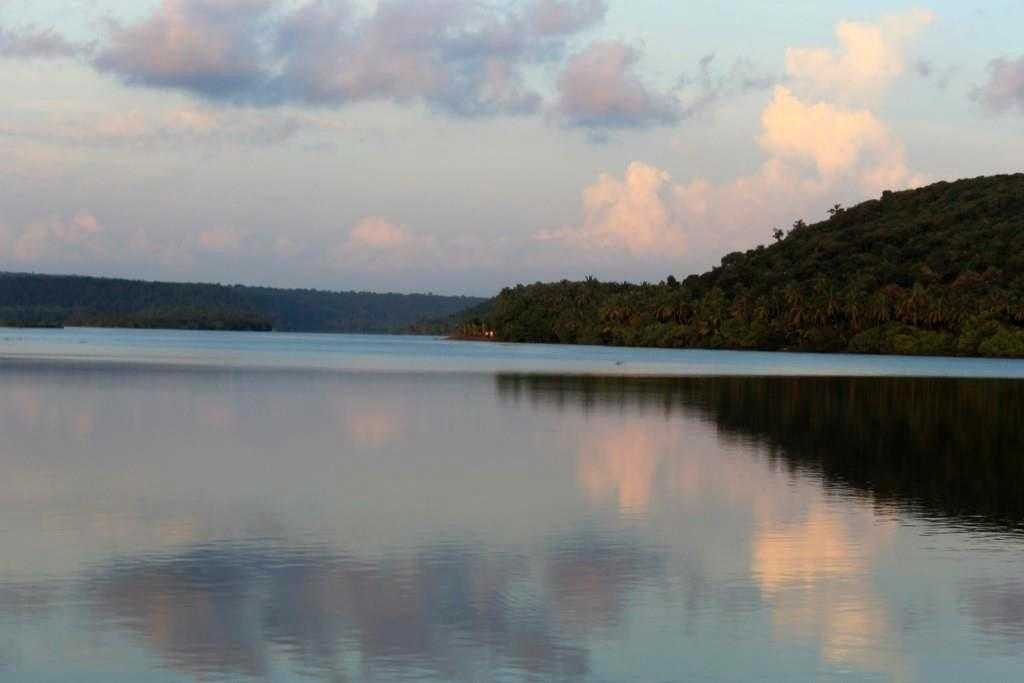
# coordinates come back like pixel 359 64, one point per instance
pixel 431 354
pixel 215 506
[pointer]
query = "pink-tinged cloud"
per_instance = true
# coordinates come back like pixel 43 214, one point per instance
pixel 600 89
pixel 659 221
pixel 1004 89
pixel 378 233
pixel 385 244
pixel 74 239
pixel 633 216
pixel 207 46
pixel 221 239
pixel 835 139
pixel 818 152
pixel 870 56
pixel 458 56
pixel 649 217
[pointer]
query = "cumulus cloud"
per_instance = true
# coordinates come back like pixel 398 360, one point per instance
pixel 832 137
pixel 870 56
pixel 374 247
pixel 81 239
pixel 818 151
pixel 600 88
pixel 457 56
pixel 380 240
pixel 210 47
pixel 636 215
pixel 1004 90
pixel 36 43
pixel 660 221
pixel 74 238
pixel 657 220
pixel 824 114
pixel 376 232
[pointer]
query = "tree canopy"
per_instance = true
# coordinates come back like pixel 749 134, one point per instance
pixel 935 271
pixel 53 301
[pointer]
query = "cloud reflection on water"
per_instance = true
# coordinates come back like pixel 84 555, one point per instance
pixel 812 558
pixel 381 526
pixel 817 574
pixel 455 610
pixel 620 463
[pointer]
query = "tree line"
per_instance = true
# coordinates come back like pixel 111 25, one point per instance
pixel 933 271
pixel 948 446
pixel 55 301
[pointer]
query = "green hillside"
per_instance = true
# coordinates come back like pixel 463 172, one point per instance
pixel 937 270
pixel 52 300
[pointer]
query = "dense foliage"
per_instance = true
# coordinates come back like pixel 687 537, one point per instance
pixel 937 270
pixel 51 301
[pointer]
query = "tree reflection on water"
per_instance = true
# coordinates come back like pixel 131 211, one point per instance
pixel 949 447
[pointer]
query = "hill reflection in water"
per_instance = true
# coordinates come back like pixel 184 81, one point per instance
pixel 950 447
pixel 174 524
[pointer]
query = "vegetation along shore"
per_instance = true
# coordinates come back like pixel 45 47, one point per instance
pixel 932 271
pixel 30 300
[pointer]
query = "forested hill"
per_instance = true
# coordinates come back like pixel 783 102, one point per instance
pixel 937 270
pixel 54 300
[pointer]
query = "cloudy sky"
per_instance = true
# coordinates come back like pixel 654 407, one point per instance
pixel 459 146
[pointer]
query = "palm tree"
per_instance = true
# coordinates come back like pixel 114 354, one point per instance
pixel 914 306
pixel 826 303
pixel 684 312
pixel 741 306
pixel 938 311
pixel 881 311
pixel 796 306
pixel 854 310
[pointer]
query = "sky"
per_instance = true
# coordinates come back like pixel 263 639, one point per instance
pixel 461 146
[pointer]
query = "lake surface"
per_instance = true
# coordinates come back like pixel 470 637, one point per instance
pixel 185 506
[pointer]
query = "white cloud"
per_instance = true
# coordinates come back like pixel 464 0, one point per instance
pixel 635 215
pixel 661 222
pixel 832 137
pixel 818 151
pixel 835 139
pixel 870 56
pixel 383 242
pixel 376 232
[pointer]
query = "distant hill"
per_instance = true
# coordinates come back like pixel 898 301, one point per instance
pixel 937 270
pixel 58 300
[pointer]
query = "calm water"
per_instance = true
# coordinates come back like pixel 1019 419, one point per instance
pixel 204 506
